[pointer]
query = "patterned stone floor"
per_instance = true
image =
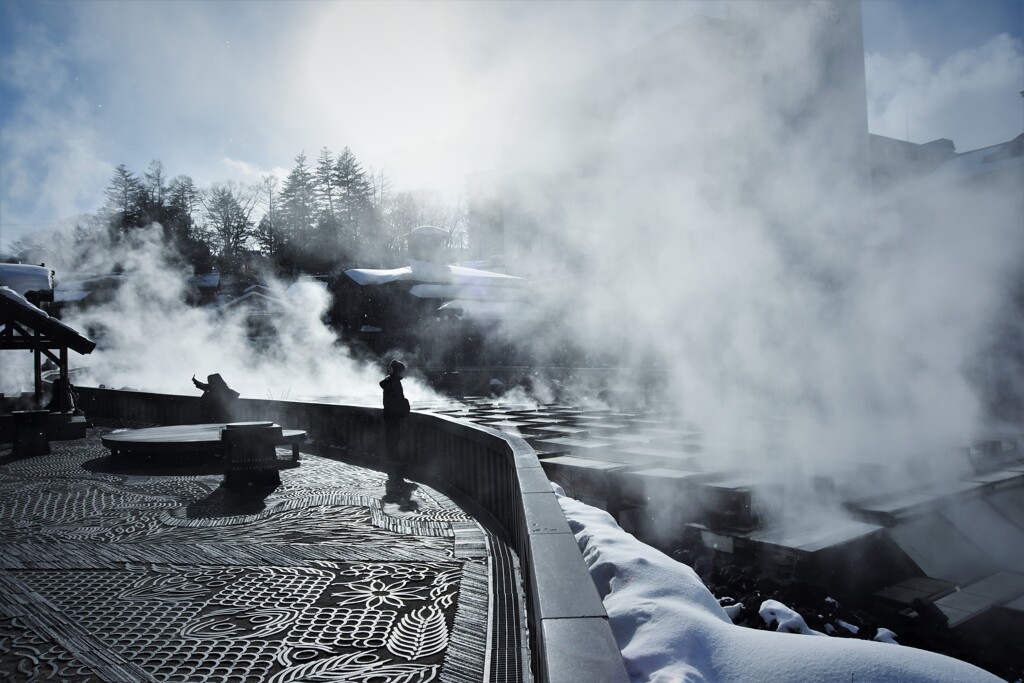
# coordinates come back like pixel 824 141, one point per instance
pixel 158 574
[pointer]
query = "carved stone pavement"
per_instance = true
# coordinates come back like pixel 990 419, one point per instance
pixel 132 573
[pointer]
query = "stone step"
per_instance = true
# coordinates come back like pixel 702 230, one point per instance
pixel 542 421
pixel 958 532
pixel 1015 610
pixel 819 551
pixel 691 496
pixel 890 508
pixel 940 549
pixel 923 588
pixel 628 438
pixel 669 437
pixel 602 428
pixel 728 503
pixel 507 426
pixel 1001 479
pixel 1010 504
pixel 660 486
pixel 994 452
pixel 981 596
pixel 654 455
pixel 553 453
pixel 575 446
pixel 542 431
pixel 583 478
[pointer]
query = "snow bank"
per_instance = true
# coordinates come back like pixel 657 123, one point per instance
pixel 788 620
pixel 669 627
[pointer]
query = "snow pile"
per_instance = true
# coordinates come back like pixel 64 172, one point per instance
pixel 788 620
pixel 884 635
pixel 669 627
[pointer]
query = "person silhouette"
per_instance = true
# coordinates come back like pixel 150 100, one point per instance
pixel 64 397
pixel 217 401
pixel 396 409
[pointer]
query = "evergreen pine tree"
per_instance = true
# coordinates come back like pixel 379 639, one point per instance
pixel 298 207
pixel 124 200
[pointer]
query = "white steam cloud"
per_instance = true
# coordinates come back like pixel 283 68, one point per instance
pixel 711 200
pixel 975 91
pixel 705 199
pixel 150 339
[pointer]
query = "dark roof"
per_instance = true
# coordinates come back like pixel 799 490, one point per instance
pixel 24 326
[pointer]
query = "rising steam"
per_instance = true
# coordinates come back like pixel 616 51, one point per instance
pixel 711 202
pixel 699 210
pixel 151 339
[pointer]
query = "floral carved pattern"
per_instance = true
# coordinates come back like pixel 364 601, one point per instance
pixel 379 593
pixel 164 578
pixel 419 634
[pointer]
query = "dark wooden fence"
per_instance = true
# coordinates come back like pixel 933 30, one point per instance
pixel 570 638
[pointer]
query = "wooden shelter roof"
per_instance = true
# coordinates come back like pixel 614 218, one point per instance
pixel 25 326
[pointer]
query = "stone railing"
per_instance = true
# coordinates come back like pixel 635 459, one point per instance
pixel 570 636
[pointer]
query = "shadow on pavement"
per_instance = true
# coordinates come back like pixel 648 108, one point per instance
pixel 156 465
pixel 230 502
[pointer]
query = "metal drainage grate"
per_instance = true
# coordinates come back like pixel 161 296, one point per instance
pixel 507 622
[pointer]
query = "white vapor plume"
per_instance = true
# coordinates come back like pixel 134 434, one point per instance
pixel 150 339
pixel 973 90
pixel 711 201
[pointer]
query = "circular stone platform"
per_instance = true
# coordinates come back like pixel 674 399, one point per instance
pixel 186 439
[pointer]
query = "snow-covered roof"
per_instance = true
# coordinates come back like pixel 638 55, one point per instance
pixel 477 292
pixel 22 277
pixel 250 298
pixel 489 310
pixel 259 288
pixel 429 231
pixel 433 273
pixel 47 331
pixel 368 276
pixel 463 274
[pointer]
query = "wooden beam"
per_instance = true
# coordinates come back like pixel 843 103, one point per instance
pixel 17 346
pixel 62 403
pixel 37 357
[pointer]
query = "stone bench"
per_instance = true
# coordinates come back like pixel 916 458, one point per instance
pixel 249 453
pixel 31 433
pixel 194 439
pixel 59 426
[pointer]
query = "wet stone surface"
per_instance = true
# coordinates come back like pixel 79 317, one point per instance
pixel 155 572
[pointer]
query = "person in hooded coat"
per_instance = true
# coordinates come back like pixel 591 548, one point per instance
pixel 217 400
pixel 396 409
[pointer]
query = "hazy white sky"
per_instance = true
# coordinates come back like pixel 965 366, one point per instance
pixel 419 91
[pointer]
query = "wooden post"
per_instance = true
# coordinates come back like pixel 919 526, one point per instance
pixel 62 402
pixel 38 358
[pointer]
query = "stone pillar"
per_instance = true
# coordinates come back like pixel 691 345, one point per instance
pixel 30 433
pixel 249 454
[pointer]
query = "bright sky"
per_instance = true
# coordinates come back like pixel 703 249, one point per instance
pixel 233 90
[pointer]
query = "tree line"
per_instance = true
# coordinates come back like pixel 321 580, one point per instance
pixel 322 217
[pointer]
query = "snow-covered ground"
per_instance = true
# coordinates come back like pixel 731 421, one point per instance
pixel 669 627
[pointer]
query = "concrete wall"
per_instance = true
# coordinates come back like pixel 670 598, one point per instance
pixel 570 637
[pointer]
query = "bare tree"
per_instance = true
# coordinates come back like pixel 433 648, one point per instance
pixel 228 209
pixel 156 183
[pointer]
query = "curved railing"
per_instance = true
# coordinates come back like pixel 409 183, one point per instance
pixel 570 636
